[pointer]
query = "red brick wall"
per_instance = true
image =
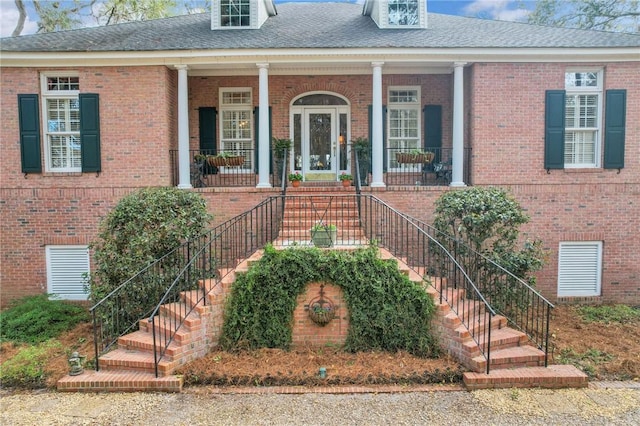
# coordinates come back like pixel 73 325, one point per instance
pixel 505 119
pixel 137 130
pixel 307 333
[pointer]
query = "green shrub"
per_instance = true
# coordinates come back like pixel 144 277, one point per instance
pixel 387 310
pixel 144 226
pixel 487 221
pixel 609 314
pixel 36 319
pixel 26 368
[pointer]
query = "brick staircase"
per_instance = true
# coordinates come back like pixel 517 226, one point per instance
pixel 311 205
pixel 514 362
pixel 130 367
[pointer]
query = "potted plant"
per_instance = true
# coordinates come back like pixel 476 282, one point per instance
pixel 345 178
pixel 361 147
pixel 321 312
pixel 280 149
pixel 225 159
pixel 415 156
pixel 295 179
pixel 324 235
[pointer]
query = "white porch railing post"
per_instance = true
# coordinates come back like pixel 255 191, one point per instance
pixel 184 162
pixel 377 153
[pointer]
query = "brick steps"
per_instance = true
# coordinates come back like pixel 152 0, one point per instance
pixel 119 381
pixel 551 377
pixel 514 363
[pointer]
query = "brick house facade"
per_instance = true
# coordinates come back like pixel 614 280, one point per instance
pixel 491 94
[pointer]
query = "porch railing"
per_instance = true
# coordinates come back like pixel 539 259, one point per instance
pixel 437 172
pixel 203 174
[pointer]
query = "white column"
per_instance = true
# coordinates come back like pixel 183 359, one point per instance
pixel 377 153
pixel 184 160
pixel 457 155
pixel 263 142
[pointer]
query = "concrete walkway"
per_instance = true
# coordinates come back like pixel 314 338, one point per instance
pixel 615 403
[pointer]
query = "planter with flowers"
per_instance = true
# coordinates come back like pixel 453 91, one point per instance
pixel 295 179
pixel 324 235
pixel 345 178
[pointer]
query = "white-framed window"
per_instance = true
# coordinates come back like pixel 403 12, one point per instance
pixel 403 13
pixel 235 13
pixel 67 268
pixel 583 118
pixel 61 121
pixel 403 121
pixel 579 268
pixel 236 123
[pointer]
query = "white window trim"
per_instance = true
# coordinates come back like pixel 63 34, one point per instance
pixel 76 295
pixel 404 105
pixel 237 107
pixel 563 292
pixel 598 90
pixel 57 94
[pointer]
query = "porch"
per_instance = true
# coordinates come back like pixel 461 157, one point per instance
pixel 437 171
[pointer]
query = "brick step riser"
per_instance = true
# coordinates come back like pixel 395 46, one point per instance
pixel 183 337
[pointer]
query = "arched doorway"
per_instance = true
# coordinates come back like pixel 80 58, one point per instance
pixel 320 131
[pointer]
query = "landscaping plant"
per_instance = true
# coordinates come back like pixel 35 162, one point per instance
pixel 387 310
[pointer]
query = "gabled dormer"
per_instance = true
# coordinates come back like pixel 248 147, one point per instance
pixel 397 14
pixel 240 14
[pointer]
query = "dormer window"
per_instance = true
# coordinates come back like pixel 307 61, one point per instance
pixel 396 14
pixel 404 13
pixel 241 14
pixel 235 13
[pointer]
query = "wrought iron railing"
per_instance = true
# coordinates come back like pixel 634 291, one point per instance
pixel 524 308
pixel 427 256
pixel 205 172
pixel 195 267
pixel 404 167
pixel 199 265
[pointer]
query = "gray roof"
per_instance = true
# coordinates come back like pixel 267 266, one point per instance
pixel 314 25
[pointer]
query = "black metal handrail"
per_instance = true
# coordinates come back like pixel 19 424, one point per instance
pixel 510 296
pixel 427 256
pixel 196 266
pixel 226 246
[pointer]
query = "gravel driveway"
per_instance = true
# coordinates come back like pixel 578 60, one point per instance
pixel 595 405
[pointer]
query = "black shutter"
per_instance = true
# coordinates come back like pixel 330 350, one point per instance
pixel 90 131
pixel 29 122
pixel 554 121
pixel 433 130
pixel 614 128
pixel 256 119
pixel 384 137
pixel 207 126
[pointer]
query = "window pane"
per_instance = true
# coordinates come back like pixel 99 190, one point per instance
pixel 580 147
pixel 581 79
pixel 236 98
pixel 235 13
pixel 236 125
pixel 403 12
pixel 64 151
pixel 63 83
